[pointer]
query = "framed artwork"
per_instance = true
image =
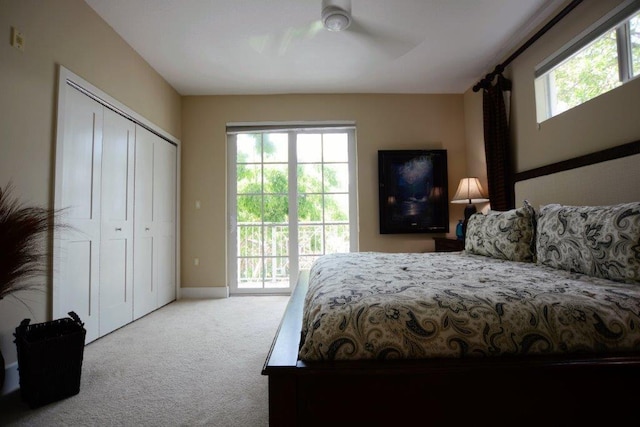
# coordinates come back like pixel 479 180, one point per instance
pixel 413 191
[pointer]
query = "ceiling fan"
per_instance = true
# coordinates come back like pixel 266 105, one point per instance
pixel 336 17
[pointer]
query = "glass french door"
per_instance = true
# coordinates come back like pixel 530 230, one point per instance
pixel 291 200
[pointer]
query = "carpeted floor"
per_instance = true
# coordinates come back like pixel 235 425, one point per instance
pixel 193 362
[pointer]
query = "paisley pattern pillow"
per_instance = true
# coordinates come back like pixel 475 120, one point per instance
pixel 505 235
pixel 601 241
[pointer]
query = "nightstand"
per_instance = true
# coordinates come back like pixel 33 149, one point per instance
pixel 444 244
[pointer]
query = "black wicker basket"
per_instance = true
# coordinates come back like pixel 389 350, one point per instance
pixel 50 359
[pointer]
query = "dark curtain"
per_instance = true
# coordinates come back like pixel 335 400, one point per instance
pixel 497 144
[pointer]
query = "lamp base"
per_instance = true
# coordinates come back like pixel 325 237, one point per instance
pixel 469 210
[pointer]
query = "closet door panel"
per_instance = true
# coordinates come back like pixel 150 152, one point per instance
pixel 76 287
pixel 144 292
pixel 82 150
pixel 145 254
pixel 116 309
pixel 144 175
pixel 166 269
pixel 165 220
pixel 116 250
pixel 165 181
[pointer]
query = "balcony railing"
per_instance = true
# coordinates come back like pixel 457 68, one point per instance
pixel 263 250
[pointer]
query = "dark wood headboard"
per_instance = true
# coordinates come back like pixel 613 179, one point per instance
pixel 605 177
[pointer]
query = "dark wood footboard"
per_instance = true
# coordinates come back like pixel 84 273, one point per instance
pixel 282 362
pixel 535 390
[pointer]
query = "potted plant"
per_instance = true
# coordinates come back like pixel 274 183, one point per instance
pixel 23 230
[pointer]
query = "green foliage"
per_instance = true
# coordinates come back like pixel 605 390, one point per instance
pixel 589 73
pixel 276 209
pixel 635 44
pixel 268 185
pixel 308 207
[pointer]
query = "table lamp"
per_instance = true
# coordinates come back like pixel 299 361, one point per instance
pixel 470 192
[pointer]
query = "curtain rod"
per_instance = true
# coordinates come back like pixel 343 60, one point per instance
pixel 486 81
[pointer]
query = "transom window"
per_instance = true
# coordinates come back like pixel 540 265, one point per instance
pixel 603 58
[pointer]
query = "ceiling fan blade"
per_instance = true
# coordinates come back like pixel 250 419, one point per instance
pixel 278 44
pixel 387 42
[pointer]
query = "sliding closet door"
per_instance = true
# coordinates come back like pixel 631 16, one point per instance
pixel 144 257
pixel 155 222
pixel 78 193
pixel 116 247
pixel 116 185
pixel 165 219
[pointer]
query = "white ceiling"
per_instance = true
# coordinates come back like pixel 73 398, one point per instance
pixel 214 47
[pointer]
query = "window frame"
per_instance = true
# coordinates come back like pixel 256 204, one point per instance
pixel 619 20
pixel 293 130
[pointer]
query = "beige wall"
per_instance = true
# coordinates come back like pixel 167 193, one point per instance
pixel 606 121
pixel 383 122
pixel 65 32
pixel 68 32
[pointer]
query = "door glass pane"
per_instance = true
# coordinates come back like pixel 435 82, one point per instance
pixel 249 240
pixel 276 179
pixel 336 207
pixel 276 240
pixel 276 147
pixel 249 178
pixel 309 148
pixel 250 272
pixel 310 239
pixel 309 207
pixel 276 209
pixel 335 147
pixel 310 178
pixel 249 148
pixel 336 178
pixel 276 272
pixel 306 261
pixel 249 208
pixel 337 238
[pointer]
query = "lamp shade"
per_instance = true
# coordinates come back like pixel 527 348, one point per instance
pixel 470 191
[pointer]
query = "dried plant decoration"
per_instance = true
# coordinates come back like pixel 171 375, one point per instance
pixel 23 232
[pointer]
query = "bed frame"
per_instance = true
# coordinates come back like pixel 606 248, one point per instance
pixel 516 390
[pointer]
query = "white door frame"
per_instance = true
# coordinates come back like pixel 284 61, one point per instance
pixel 292 129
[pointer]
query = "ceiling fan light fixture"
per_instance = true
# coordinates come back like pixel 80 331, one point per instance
pixel 335 18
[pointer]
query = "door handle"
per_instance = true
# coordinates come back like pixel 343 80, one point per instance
pixel 118 229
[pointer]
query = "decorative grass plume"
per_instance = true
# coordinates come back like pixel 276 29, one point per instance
pixel 23 230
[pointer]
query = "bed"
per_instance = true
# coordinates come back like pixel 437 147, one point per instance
pixel 533 329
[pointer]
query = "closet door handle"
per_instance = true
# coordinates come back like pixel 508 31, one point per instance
pixel 118 229
pixel 146 229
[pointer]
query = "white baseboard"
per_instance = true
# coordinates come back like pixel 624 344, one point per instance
pixel 204 292
pixel 11 379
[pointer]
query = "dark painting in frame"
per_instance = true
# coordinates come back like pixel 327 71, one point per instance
pixel 413 191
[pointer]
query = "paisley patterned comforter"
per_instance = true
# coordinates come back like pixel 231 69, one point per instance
pixel 370 305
